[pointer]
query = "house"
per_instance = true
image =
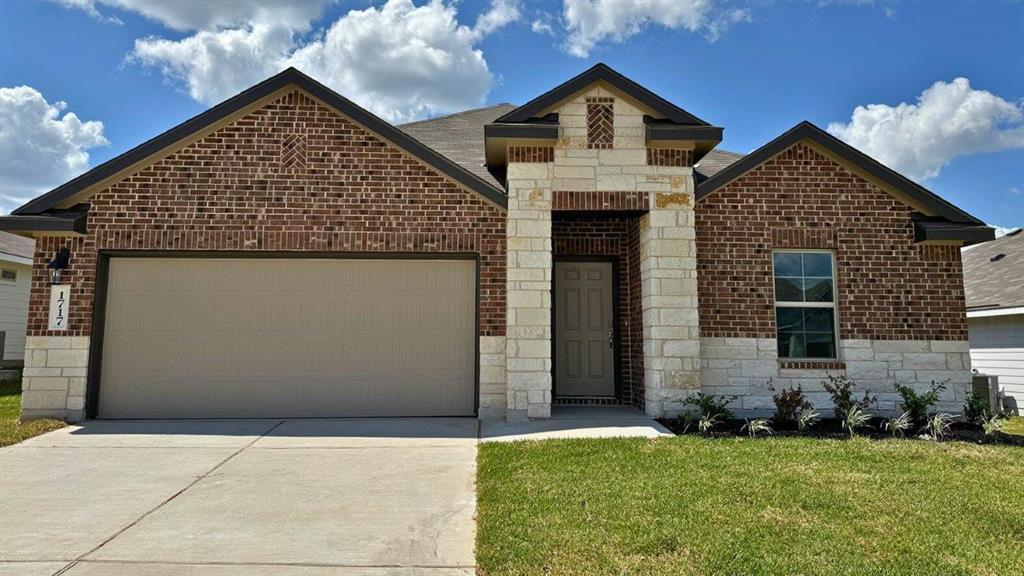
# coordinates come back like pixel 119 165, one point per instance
pixel 15 271
pixel 994 287
pixel 287 253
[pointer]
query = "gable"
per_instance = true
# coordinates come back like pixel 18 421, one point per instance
pixel 80 188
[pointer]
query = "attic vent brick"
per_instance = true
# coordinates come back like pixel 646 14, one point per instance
pixel 293 151
pixel 600 122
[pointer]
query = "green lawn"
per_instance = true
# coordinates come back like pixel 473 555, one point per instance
pixel 11 430
pixel 778 506
pixel 1015 425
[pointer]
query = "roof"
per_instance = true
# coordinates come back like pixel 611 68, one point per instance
pixel 14 245
pixel 994 272
pixel 714 162
pixel 601 72
pixel 291 76
pixel 460 137
pixel 806 130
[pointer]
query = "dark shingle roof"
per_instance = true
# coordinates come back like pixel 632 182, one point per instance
pixel 17 245
pixel 460 137
pixel 994 272
pixel 714 162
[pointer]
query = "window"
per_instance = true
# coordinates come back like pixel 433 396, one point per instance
pixel 10 275
pixel 805 304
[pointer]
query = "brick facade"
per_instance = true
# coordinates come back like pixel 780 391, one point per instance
pixel 888 287
pixel 290 176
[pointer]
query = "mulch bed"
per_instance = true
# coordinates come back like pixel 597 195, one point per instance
pixel 831 428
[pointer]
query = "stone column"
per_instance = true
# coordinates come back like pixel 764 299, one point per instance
pixel 668 273
pixel 528 337
pixel 54 377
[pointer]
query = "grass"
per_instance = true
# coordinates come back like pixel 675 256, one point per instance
pixel 794 506
pixel 1015 425
pixel 11 430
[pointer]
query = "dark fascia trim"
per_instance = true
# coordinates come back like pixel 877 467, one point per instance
pixel 522 130
pixel 73 221
pixel 245 98
pixel 660 131
pixel 600 72
pixel 806 130
pixel 945 231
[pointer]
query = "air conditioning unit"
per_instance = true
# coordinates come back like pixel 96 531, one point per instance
pixel 987 387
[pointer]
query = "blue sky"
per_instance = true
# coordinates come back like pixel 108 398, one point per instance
pixel 139 67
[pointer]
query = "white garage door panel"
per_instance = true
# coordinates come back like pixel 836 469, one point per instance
pixel 199 338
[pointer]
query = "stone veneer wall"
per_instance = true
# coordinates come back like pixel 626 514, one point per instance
pixel 590 177
pixel 293 175
pixel 743 366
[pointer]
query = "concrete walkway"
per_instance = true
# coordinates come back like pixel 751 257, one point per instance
pixel 298 497
pixel 576 422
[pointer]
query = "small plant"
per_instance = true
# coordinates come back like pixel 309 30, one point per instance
pixel 938 425
pixel 854 419
pixel 788 404
pixel 757 426
pixel 976 408
pixel 841 390
pixel 707 424
pixel 992 425
pixel 708 405
pixel 899 425
pixel 919 404
pixel 806 418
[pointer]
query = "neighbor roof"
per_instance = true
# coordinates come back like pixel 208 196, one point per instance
pixel 994 273
pixel 460 137
pixel 806 130
pixel 14 245
pixel 601 72
pixel 291 76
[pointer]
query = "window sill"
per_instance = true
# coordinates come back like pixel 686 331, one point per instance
pixel 811 364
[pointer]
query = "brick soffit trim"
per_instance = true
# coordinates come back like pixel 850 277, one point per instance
pixel 291 76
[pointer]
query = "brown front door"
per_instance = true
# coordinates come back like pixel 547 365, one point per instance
pixel 584 345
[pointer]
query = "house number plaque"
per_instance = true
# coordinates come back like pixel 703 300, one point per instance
pixel 60 296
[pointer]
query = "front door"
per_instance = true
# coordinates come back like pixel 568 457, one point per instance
pixel 584 337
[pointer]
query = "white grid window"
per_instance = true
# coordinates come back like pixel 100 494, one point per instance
pixel 805 304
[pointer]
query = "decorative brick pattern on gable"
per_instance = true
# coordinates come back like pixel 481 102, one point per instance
pixel 600 122
pixel 669 157
pixel 532 154
pixel 232 191
pixel 889 288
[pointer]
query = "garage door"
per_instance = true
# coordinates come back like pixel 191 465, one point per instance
pixel 245 338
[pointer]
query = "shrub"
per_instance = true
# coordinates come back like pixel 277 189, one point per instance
pixel 841 390
pixel 976 408
pixel 919 404
pixel 991 425
pixel 758 426
pixel 708 405
pixel 806 418
pixel 898 425
pixel 788 404
pixel 854 419
pixel 708 423
pixel 938 425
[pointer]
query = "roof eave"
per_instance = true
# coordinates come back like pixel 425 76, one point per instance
pixel 290 76
pixel 67 222
pixel 935 231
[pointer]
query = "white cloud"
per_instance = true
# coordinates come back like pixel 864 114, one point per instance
pixel 211 15
pixel 40 148
pixel 590 22
pixel 399 60
pixel 1015 191
pixel 948 120
pixel 1003 230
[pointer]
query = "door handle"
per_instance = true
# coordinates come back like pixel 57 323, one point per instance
pixel 611 340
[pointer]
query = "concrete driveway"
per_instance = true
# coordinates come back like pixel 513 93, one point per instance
pixel 367 497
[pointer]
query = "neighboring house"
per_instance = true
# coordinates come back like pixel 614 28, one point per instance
pixel 994 285
pixel 15 277
pixel 287 253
